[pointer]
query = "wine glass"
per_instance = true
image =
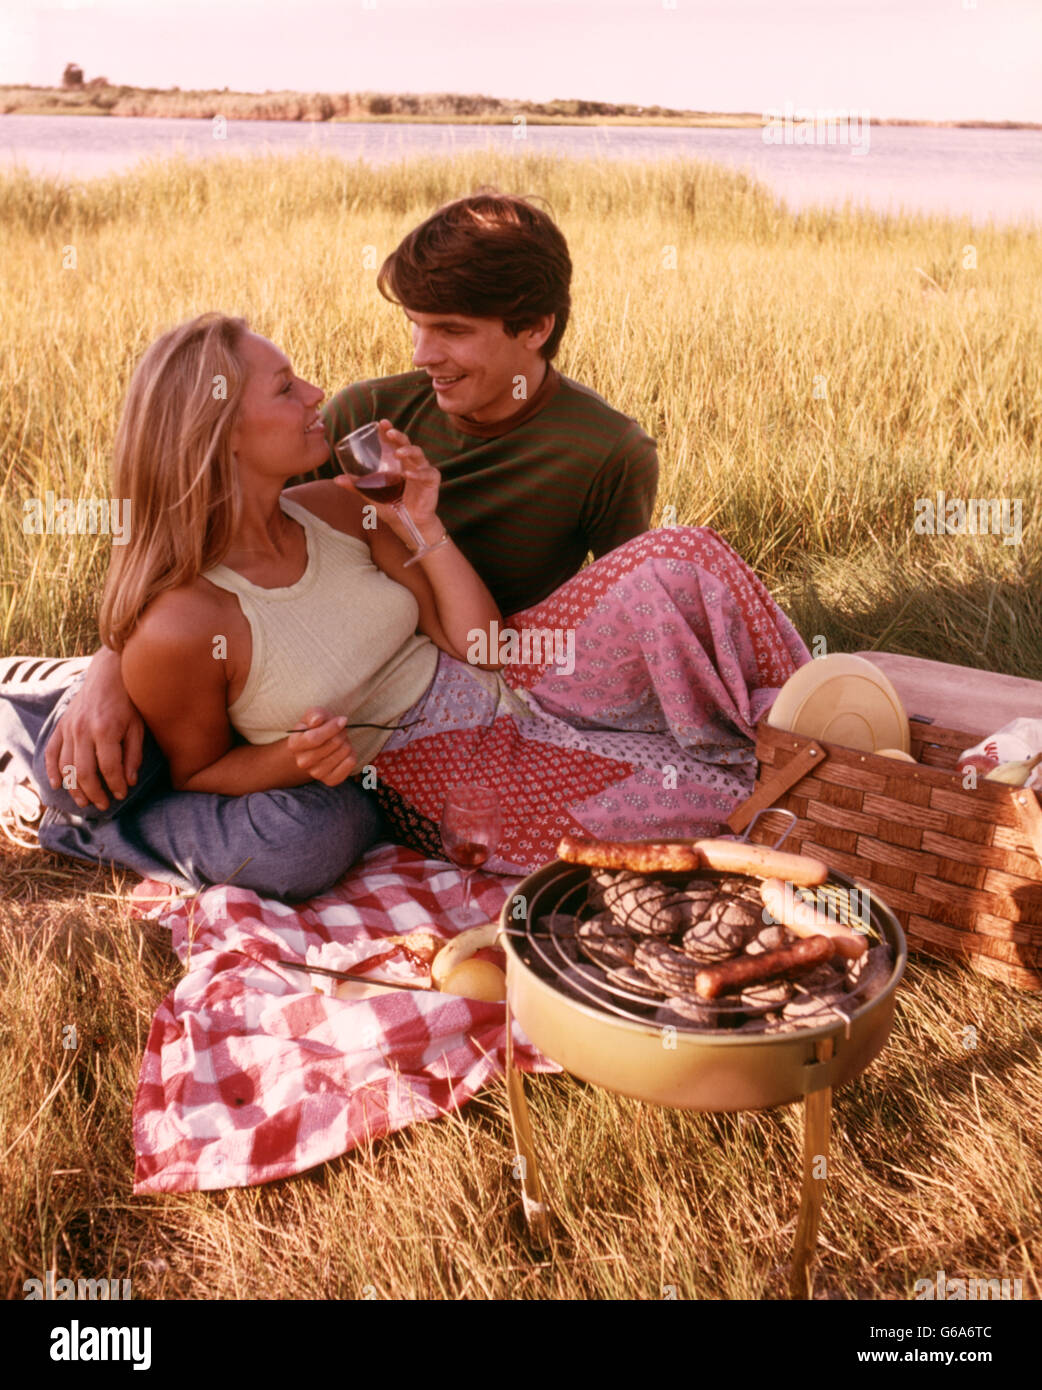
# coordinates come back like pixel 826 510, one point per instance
pixel 377 471
pixel 470 831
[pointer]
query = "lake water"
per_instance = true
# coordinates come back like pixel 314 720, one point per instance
pixel 984 174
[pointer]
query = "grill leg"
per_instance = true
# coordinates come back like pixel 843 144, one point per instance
pixel 524 1151
pixel 817 1123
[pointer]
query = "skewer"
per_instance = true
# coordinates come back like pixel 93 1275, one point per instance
pixel 390 727
pixel 345 975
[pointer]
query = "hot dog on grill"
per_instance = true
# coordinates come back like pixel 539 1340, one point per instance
pixel 805 920
pixel 737 857
pixel 684 856
pixel 733 975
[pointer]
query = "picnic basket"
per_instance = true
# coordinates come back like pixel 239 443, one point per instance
pixel 959 866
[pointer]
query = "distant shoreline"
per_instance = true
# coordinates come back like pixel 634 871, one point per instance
pixel 105 99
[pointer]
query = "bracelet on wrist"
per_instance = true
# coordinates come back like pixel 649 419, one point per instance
pixel 443 539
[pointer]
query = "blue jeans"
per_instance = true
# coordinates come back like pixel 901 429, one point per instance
pixel 287 843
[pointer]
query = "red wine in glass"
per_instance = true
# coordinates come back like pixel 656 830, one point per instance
pixel 470 831
pixel 377 472
pixel 469 855
pixel 382 487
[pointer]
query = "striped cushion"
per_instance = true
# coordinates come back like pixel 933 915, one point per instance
pixel 39 672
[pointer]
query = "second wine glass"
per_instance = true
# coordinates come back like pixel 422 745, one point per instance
pixel 471 825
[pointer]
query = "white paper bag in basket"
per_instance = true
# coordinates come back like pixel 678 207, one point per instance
pixel 1021 738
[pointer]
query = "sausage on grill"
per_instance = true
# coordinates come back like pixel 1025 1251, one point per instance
pixel 684 856
pixel 732 975
pixel 640 856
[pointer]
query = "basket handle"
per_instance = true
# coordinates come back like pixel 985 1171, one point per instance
pixel 781 779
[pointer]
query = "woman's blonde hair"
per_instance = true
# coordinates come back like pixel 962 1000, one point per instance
pixel 173 461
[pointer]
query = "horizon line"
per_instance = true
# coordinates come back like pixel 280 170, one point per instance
pixel 665 112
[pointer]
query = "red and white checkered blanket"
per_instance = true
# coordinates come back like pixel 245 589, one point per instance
pixel 249 1074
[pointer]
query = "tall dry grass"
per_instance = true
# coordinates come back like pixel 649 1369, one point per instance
pixel 807 377
pixel 934 1163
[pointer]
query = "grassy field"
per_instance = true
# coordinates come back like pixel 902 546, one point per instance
pixel 808 377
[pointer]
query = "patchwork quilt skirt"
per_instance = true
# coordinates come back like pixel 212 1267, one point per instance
pixel 625 710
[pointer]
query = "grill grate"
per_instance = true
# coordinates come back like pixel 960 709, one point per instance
pixel 553 947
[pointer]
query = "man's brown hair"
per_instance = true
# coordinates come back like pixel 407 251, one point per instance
pixel 492 255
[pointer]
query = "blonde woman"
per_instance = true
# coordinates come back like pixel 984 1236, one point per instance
pixel 214 424
pixel 212 523
pixel 243 611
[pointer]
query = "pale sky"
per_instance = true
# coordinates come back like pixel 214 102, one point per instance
pixel 925 59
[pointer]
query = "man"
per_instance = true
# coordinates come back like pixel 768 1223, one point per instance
pixel 537 473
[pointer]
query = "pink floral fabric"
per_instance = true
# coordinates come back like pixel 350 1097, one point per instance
pixel 678 651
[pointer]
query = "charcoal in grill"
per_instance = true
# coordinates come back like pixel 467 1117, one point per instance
pixel 737 889
pixel 867 975
pixel 642 905
pixel 715 940
pixel 670 969
pixel 710 899
pixel 600 880
pixel 771 994
pixel 633 981
pixel 817 1007
pixel 718 914
pixel 722 914
pixel 679 1006
pixel 606 941
pixel 768 939
pixel 828 976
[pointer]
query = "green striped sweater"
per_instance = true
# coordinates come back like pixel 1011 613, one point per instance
pixel 565 476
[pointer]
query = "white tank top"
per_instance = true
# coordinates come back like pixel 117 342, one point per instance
pixel 343 637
